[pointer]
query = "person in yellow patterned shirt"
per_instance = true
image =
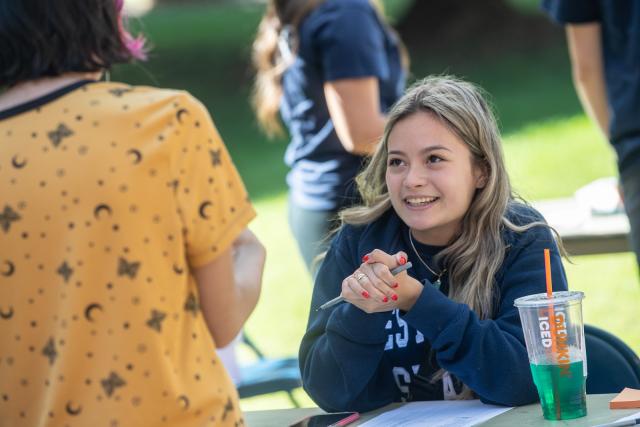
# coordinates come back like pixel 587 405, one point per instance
pixel 124 254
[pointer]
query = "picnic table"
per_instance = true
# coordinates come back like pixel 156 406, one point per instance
pixel 598 412
pixel 582 231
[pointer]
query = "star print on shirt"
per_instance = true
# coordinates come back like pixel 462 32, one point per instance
pixel 119 91
pixel 50 352
pixel 173 184
pixel 126 268
pixel 56 136
pixel 156 320
pixel 215 157
pixel 191 304
pixel 112 382
pixel 65 271
pixel 227 408
pixel 7 217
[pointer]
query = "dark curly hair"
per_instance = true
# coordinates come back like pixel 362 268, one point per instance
pixel 45 38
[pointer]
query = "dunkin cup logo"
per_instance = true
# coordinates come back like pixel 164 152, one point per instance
pixel 553 334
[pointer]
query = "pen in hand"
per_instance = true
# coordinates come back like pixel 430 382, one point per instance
pixel 340 298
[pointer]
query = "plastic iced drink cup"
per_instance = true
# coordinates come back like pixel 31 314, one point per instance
pixel 554 334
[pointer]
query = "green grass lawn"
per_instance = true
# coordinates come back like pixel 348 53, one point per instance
pixel 551 150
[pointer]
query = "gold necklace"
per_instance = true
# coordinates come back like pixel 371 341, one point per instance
pixel 437 282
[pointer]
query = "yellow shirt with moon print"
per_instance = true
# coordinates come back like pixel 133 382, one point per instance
pixel 108 194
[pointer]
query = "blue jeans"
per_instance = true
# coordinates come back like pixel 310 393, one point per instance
pixel 311 230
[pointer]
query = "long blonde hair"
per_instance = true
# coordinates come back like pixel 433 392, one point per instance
pixel 274 50
pixel 477 252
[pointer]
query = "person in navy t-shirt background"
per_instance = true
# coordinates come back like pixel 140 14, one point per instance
pixel 604 48
pixel 330 69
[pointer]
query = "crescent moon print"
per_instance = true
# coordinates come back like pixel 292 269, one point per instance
pixel 136 154
pixel 7 315
pixel 203 209
pixel 88 311
pixel 184 401
pixel 10 269
pixel 102 207
pixel 180 113
pixel 71 410
pixel 16 164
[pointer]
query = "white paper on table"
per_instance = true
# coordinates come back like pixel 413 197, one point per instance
pixel 444 413
pixel 630 417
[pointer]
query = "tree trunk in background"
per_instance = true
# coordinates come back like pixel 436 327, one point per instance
pixel 463 27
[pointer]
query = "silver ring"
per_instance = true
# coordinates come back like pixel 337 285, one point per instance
pixel 359 276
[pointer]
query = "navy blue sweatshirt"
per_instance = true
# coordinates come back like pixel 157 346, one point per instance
pixel 354 361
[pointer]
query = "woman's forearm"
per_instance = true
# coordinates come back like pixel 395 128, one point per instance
pixel 585 49
pixel 229 287
pixel 354 107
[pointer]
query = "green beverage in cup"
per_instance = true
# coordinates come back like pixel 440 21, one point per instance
pixel 558 392
pixel 554 335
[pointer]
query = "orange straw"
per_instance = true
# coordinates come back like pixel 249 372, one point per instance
pixel 552 315
pixel 547 270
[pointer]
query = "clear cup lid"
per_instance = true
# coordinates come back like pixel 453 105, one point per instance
pixel 537 300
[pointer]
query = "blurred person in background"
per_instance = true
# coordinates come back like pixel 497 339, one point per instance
pixel 604 47
pixel 124 254
pixel 330 69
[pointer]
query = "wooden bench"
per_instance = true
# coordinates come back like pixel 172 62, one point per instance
pixel 582 232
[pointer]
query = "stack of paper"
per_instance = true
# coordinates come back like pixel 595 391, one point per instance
pixel 459 413
pixel 628 398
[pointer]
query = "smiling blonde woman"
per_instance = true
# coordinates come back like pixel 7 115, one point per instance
pixel 436 193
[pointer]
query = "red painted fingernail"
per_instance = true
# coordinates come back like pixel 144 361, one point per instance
pixel 403 260
pixel 394 297
pixel 365 258
pixel 395 285
pixel 385 299
pixel 365 294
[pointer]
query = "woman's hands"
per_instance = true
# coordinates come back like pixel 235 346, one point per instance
pixel 372 288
